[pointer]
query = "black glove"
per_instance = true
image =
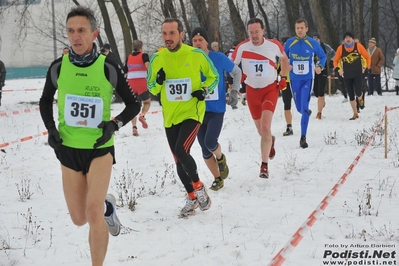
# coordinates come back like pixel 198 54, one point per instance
pixel 199 94
pixel 233 98
pixel 54 139
pixel 109 127
pixel 367 71
pixel 161 76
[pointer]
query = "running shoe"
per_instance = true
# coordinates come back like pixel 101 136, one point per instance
pixel 113 223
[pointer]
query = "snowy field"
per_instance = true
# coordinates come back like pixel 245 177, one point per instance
pixel 251 219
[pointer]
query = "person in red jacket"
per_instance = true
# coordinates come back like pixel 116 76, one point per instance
pixel 136 69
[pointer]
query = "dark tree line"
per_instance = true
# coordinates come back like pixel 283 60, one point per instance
pixel 226 20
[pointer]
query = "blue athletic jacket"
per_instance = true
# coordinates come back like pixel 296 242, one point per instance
pixel 301 54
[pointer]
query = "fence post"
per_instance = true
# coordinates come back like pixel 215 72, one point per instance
pixel 386 131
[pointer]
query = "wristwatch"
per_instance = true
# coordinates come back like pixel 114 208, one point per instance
pixel 283 77
pixel 118 123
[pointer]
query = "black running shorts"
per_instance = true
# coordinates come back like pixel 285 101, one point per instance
pixel 80 159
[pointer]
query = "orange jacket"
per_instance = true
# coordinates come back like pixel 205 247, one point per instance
pixel 362 51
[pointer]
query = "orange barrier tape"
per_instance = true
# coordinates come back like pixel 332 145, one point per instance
pixel 29 89
pixel 5 144
pixel 27 110
pixel 44 133
pixel 282 255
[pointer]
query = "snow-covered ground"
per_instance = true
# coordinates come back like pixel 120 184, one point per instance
pixel 251 219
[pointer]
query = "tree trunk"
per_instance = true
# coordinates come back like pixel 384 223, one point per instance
pixel 265 18
pixel 236 21
pixel 129 19
pixel 396 17
pixel 292 8
pixel 214 21
pixel 326 27
pixel 375 20
pixel 107 25
pixel 199 7
pixel 171 8
pixel 307 11
pixel 251 10
pixel 359 21
pixel 127 37
pixel 184 15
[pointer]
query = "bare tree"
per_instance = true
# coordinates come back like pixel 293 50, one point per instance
pixel 107 27
pixel 214 20
pixel 127 37
pixel 265 18
pixel 236 21
pixel 394 7
pixel 200 10
pixel 168 9
pixel 292 8
pixel 129 19
pixel 326 27
pixel 251 10
pixel 375 19
pixel 307 13
pixel 184 15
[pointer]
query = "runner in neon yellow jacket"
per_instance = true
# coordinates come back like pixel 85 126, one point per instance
pixel 176 72
pixel 183 70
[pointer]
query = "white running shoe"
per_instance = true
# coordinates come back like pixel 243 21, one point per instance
pixel 203 199
pixel 189 208
pixel 113 223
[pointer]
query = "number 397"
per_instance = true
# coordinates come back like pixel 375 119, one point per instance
pixel 177 89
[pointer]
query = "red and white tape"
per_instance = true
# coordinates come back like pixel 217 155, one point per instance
pixel 28 89
pixel 24 111
pixel 5 144
pixel 44 133
pixel 283 254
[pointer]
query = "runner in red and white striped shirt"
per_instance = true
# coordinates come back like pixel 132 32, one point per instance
pixel 258 57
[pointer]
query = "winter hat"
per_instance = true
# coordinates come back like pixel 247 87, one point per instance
pixel 348 33
pixel 107 46
pixel 316 35
pixel 200 31
pixel 373 40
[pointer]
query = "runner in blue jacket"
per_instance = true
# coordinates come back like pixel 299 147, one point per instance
pixel 301 51
pixel 208 134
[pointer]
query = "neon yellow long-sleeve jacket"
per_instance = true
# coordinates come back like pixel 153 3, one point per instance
pixel 183 70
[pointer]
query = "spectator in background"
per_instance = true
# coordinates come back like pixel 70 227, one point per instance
pixel 231 50
pixel 377 60
pixel 3 73
pixel 106 50
pixel 320 80
pixel 395 74
pixel 215 46
pixel 136 69
pixel 65 50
